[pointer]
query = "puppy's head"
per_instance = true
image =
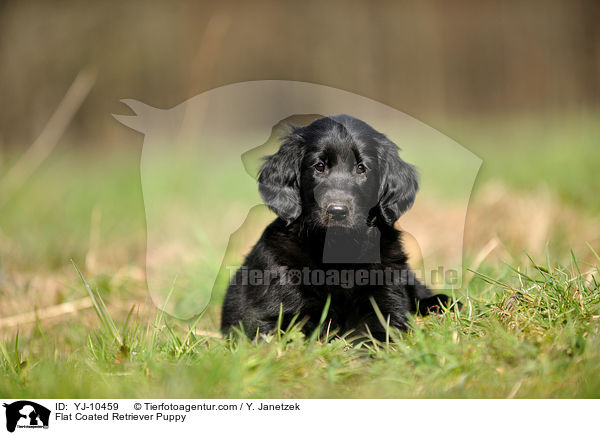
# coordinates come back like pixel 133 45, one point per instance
pixel 338 172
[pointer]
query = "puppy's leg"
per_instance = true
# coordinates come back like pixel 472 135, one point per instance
pixel 394 309
pixel 256 325
pixel 424 300
pixel 436 304
pixel 378 330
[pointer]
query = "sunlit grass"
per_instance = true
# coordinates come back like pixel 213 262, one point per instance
pixel 532 332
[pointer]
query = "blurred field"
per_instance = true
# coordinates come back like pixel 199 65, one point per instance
pixel 534 336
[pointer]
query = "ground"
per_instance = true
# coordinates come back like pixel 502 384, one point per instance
pixel 529 326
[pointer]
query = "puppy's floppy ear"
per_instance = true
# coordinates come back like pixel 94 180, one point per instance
pixel 398 183
pixel 279 178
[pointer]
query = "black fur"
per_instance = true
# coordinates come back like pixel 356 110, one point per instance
pixel 335 163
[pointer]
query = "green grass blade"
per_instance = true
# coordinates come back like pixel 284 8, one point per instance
pixel 100 308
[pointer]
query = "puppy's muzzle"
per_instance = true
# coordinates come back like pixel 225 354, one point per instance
pixel 337 211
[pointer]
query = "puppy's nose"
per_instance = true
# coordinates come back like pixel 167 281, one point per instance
pixel 337 211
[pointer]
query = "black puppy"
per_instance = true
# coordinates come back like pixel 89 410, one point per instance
pixel 337 187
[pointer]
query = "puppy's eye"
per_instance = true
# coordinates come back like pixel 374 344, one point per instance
pixel 361 169
pixel 320 167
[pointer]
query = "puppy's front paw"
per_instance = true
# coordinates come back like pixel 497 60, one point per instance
pixel 436 304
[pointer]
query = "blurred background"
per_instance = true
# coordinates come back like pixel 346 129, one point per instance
pixel 436 61
pixel 517 83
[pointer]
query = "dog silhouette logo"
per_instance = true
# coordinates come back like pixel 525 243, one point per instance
pixel 26 414
pixel 183 144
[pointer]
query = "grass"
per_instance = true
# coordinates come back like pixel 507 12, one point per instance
pixel 530 325
pixel 531 333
